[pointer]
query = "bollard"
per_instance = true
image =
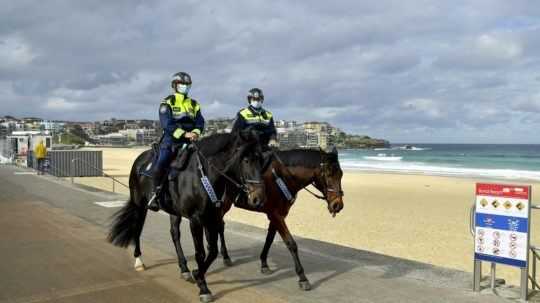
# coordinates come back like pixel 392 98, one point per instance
pixel 534 271
pixel 71 171
pixel 493 269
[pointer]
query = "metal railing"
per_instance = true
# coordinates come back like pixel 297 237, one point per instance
pixel 532 276
pixel 104 174
pixel 535 252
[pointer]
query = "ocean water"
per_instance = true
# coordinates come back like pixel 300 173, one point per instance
pixel 512 162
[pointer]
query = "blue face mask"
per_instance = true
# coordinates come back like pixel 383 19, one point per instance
pixel 183 88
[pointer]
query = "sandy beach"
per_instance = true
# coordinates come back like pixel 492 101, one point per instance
pixel 416 217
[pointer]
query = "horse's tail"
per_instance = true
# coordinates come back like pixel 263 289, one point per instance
pixel 127 223
pixel 125 227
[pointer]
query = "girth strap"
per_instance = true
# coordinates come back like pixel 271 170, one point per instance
pixel 207 185
pixel 282 186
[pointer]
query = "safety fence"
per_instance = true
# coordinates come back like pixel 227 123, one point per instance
pixel 81 167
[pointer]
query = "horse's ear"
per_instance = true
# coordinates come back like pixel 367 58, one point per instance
pixel 334 150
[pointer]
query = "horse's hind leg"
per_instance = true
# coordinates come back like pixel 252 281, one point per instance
pixel 281 227
pixel 267 244
pixel 139 265
pixel 175 235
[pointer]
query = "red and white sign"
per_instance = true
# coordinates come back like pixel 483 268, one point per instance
pixel 502 223
pixel 502 190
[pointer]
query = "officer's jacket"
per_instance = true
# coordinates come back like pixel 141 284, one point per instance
pixel 261 120
pixel 179 114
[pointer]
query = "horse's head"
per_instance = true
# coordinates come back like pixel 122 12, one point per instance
pixel 247 165
pixel 328 180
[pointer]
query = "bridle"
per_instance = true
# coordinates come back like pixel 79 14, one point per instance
pixel 327 188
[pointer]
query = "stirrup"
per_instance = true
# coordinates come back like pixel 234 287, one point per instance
pixel 153 204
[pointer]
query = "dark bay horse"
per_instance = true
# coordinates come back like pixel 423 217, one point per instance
pixel 229 161
pixel 298 169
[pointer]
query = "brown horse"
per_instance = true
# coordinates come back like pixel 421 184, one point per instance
pixel 298 169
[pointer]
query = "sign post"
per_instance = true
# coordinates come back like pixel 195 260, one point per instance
pixel 502 225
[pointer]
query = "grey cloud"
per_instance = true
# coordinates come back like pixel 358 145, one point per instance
pixel 351 63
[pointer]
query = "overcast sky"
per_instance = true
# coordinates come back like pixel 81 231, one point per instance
pixel 407 71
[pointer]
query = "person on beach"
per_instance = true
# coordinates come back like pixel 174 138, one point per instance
pixel 256 116
pixel 182 122
pixel 40 152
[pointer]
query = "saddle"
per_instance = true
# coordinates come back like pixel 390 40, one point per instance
pixel 180 162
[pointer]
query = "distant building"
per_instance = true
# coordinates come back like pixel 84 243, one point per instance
pixel 113 139
pixel 52 126
pixel 320 134
pixel 291 138
pixel 216 126
pixel 89 128
pixel 146 136
pixel 286 124
pixel 4 131
pixel 141 136
pixel 23 141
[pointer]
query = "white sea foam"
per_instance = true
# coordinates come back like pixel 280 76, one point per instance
pixel 4 160
pixel 421 168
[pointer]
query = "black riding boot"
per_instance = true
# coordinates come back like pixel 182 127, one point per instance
pixel 155 196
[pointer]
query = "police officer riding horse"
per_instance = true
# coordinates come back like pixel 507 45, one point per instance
pixel 182 122
pixel 257 117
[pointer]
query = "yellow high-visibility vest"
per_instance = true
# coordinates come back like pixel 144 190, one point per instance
pixel 262 117
pixel 182 107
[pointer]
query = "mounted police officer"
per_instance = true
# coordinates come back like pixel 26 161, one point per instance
pixel 257 117
pixel 182 122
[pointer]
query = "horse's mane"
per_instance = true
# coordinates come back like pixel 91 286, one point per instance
pixel 310 158
pixel 301 157
pixel 215 143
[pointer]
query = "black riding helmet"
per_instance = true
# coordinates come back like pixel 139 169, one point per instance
pixel 255 94
pixel 181 78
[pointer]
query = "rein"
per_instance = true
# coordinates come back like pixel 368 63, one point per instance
pixel 242 187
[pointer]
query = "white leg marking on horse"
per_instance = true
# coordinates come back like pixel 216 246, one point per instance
pixel 139 265
pixel 111 204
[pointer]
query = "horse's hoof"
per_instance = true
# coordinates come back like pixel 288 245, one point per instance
pixel 227 262
pixel 265 270
pixel 187 276
pixel 205 298
pixel 304 285
pixel 139 265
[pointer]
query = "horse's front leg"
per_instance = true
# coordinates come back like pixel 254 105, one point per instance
pixel 175 235
pixel 267 244
pixel 224 253
pixel 197 232
pixel 281 227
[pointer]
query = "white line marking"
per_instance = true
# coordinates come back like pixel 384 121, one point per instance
pixel 111 204
pixel 24 173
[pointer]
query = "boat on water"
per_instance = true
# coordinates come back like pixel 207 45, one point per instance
pixel 383 157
